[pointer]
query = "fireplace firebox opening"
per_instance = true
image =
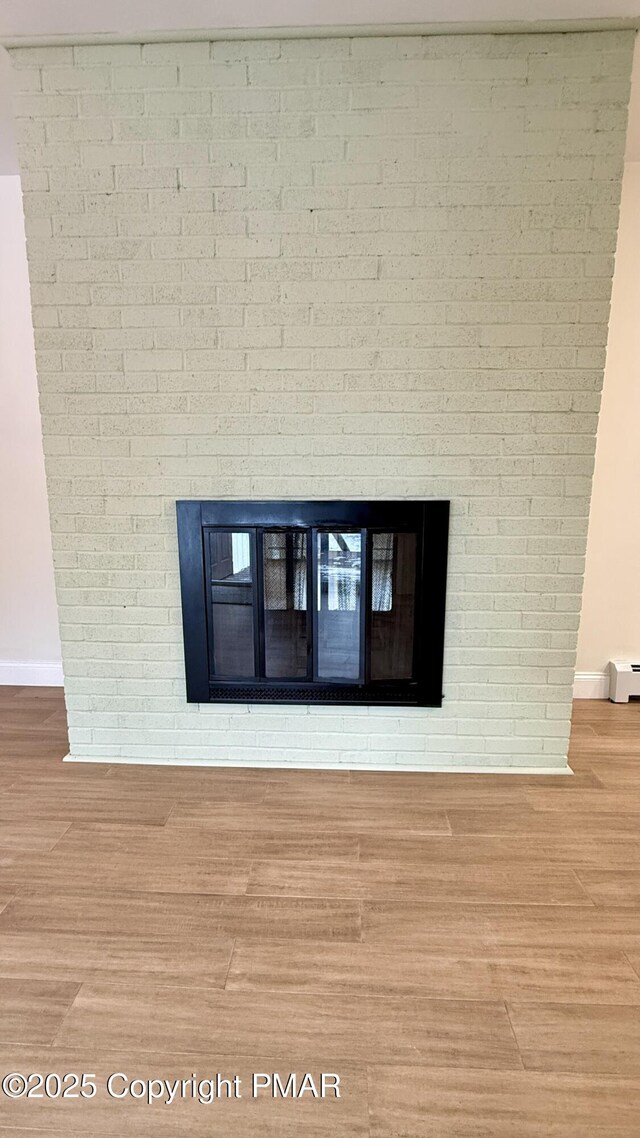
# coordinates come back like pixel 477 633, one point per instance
pixel 314 602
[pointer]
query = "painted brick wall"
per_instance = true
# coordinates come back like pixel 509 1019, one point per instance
pixel 323 268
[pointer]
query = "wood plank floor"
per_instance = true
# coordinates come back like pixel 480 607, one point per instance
pixel 463 950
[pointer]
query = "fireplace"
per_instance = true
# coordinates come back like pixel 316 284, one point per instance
pixel 314 602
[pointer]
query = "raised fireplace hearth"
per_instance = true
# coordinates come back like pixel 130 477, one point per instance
pixel 314 602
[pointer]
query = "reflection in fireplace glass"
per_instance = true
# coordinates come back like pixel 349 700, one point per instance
pixel 339 591
pixel 382 572
pixel 285 605
pixel 232 603
pixel 393 572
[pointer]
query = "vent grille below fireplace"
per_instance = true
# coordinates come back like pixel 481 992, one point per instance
pixel 274 694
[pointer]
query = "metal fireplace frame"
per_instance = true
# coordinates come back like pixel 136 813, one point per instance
pixel 428 520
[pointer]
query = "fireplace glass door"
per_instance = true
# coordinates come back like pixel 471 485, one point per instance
pixel 331 602
pixel 285 572
pixel 393 588
pixel 231 572
pixel 339 603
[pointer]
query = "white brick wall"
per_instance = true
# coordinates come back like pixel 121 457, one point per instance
pixel 323 268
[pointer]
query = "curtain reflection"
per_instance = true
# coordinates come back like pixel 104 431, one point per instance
pixel 285 570
pixel 382 572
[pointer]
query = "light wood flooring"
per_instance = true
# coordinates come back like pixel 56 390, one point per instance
pixel 464 951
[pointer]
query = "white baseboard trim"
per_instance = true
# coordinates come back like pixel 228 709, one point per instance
pixel 31 673
pixel 439 768
pixel 591 685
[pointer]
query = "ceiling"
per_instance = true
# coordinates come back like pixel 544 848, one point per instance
pixel 37 19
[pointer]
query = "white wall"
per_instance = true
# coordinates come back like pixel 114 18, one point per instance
pixel 610 622
pixel 29 641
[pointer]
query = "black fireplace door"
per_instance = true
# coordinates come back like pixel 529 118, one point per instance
pixel 314 602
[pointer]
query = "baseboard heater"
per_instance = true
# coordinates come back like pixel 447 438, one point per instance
pixel 624 680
